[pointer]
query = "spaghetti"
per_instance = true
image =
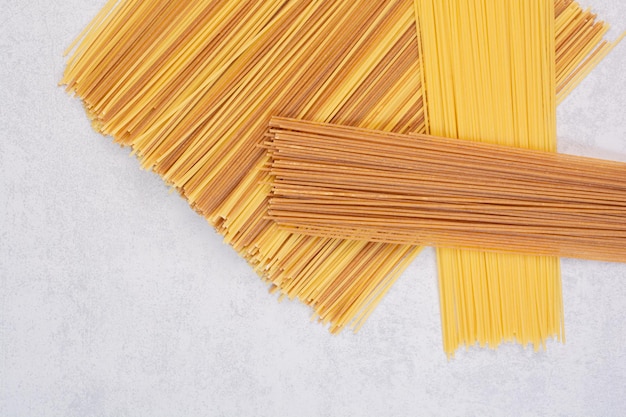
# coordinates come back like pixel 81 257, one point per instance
pixel 421 190
pixel 191 86
pixel 489 71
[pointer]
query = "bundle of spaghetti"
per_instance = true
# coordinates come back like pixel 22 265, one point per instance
pixel 197 115
pixel 489 72
pixel 421 190
pixel 190 86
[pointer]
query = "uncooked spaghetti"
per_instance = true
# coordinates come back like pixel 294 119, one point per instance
pixel 191 86
pixel 422 190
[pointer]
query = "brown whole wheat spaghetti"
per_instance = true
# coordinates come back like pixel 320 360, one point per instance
pixel 422 190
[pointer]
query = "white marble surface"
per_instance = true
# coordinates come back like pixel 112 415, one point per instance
pixel 118 300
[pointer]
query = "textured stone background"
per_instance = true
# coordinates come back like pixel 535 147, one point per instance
pixel 117 300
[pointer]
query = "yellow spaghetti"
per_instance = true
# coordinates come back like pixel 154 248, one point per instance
pixel 489 72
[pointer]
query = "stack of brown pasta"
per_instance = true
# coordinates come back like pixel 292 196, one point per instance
pixel 378 186
pixel 192 86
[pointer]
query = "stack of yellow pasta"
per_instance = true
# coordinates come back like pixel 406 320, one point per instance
pixel 191 87
pixel 490 76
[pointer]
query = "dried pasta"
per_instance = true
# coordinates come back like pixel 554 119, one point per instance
pixel 191 87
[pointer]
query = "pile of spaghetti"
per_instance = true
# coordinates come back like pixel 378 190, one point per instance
pixel 191 87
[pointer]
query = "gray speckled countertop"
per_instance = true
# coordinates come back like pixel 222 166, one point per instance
pixel 116 299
